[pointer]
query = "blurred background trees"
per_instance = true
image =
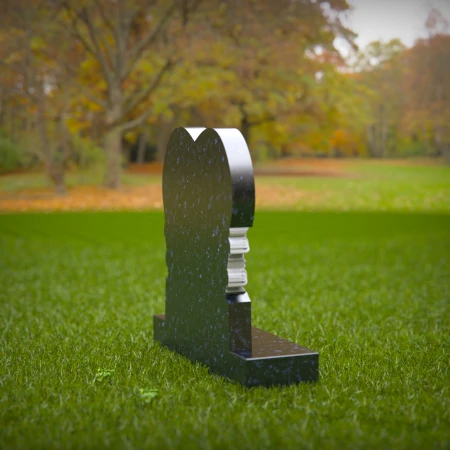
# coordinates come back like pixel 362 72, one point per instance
pixel 105 81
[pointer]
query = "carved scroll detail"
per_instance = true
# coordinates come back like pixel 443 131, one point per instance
pixel 237 275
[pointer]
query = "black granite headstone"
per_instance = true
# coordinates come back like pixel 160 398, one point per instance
pixel 209 204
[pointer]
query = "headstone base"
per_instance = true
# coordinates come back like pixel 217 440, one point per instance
pixel 272 361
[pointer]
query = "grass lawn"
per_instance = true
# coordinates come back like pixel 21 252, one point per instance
pixel 370 186
pixel 356 185
pixel 369 290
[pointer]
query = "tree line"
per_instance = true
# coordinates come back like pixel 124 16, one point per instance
pixel 82 80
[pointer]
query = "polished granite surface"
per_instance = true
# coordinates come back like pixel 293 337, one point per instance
pixel 209 203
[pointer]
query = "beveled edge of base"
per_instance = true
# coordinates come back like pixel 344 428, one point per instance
pixel 269 368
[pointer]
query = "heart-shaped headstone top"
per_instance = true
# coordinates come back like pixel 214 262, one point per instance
pixel 208 188
pixel 208 171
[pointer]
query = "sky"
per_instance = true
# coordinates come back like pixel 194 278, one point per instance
pixel 387 19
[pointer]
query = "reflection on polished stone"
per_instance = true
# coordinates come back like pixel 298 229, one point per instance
pixel 209 204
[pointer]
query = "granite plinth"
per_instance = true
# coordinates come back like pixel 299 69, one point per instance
pixel 272 360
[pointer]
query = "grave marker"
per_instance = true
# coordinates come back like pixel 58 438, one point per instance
pixel 209 204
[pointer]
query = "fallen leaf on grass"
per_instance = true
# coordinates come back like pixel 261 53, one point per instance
pixel 147 395
pixel 103 374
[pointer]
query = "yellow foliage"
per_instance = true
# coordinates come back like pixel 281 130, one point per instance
pixel 345 142
pixel 94 107
pixel 75 125
pixel 146 66
pixel 90 66
pixel 37 43
pixel 131 136
pixel 339 138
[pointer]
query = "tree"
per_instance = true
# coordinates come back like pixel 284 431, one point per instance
pixel 272 75
pixel 427 87
pixel 128 42
pixel 233 73
pixel 380 72
pixel 29 63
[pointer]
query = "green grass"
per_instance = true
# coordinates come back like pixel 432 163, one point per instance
pixel 79 368
pixel 372 186
pixel 15 183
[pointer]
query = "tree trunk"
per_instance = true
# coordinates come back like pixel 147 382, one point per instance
pixel 113 149
pixel 246 129
pixel 381 132
pixel 446 143
pixel 426 143
pixel 126 153
pixel 57 174
pixel 59 155
pixel 2 106
pixel 371 141
pixel 140 157
pixel 163 136
pixel 54 162
pixel 113 139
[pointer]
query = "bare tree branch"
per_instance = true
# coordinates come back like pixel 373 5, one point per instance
pixel 104 42
pixel 106 21
pixel 136 98
pixel 127 126
pixel 136 51
pixel 71 80
pixel 123 21
pixel 85 17
pixel 76 33
pixel 13 91
pixel 88 94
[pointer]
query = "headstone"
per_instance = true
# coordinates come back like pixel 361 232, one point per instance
pixel 209 204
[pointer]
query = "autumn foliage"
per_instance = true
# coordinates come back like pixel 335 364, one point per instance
pixel 79 78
